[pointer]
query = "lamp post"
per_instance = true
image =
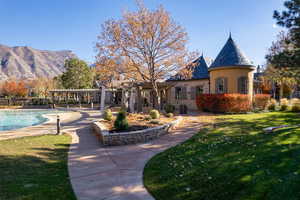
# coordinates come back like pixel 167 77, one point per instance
pixel 58 125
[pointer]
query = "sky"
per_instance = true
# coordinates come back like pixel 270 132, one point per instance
pixel 75 24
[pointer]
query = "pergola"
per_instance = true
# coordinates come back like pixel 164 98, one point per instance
pixel 79 96
pixel 133 95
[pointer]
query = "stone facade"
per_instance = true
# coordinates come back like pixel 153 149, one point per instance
pixel 190 88
pixel 133 137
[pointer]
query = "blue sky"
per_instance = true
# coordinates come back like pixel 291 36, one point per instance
pixel 75 24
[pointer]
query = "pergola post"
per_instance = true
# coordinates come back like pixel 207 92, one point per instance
pixel 102 103
pixel 132 100
pixel 139 99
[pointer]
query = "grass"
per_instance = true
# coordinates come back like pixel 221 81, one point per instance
pixel 235 160
pixel 35 168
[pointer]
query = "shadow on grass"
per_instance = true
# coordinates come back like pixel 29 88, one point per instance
pixel 38 173
pixel 236 160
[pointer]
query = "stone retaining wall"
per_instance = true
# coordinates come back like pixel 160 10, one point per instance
pixel 133 137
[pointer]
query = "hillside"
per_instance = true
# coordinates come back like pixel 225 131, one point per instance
pixel 28 63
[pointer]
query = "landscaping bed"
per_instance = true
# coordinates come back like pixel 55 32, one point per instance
pixel 138 121
pixel 232 159
pixel 35 168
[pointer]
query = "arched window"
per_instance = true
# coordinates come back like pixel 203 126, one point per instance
pixel 243 85
pixel 221 85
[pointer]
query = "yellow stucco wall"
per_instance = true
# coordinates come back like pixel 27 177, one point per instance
pixel 232 75
pixel 189 102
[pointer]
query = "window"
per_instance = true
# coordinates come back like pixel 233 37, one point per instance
pixel 243 85
pixel 221 85
pixel 180 92
pixel 195 91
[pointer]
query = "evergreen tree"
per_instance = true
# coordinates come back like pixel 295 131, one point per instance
pixel 78 74
pixel 284 54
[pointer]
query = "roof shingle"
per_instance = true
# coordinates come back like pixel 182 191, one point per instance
pixel 231 55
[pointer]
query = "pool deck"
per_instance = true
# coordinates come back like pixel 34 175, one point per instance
pixel 49 127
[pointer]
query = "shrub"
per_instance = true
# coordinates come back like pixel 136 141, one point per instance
pixel 154 114
pixel 154 122
pixel 295 105
pixel 121 122
pixel 260 101
pixel 295 101
pixel 169 108
pixel 284 101
pixel 224 103
pixel 272 105
pixel 107 115
pixel 170 115
pixel 283 107
pixel 147 118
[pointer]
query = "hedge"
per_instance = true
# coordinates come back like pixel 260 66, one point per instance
pixel 224 103
pixel 260 101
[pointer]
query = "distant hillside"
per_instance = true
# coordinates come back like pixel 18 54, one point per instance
pixel 28 63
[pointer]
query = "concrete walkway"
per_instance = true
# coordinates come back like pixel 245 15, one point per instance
pixel 115 173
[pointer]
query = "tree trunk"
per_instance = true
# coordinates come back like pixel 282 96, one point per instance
pixel 281 92
pixel 156 102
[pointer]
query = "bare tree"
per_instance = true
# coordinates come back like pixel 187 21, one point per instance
pixel 148 44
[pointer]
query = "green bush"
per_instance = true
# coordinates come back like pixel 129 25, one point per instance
pixel 170 115
pixel 169 108
pixel 121 122
pixel 295 105
pixel 154 122
pixel 154 114
pixel 107 115
pixel 147 118
pixel 272 105
pixel 283 107
pixel 296 108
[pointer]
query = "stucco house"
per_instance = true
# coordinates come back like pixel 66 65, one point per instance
pixel 230 72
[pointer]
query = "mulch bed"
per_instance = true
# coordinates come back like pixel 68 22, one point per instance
pixel 137 122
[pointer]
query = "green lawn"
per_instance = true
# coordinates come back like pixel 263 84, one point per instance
pixel 235 160
pixel 35 168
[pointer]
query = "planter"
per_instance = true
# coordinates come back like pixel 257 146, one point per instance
pixel 133 137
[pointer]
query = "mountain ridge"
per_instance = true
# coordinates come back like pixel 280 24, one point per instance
pixel 25 62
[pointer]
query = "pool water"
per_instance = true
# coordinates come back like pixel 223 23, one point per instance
pixel 15 119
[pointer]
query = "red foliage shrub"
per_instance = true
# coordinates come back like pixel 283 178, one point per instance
pixel 260 101
pixel 224 103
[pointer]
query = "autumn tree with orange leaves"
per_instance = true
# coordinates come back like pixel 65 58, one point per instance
pixel 12 88
pixel 145 45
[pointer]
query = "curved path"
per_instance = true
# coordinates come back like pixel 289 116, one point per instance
pixel 115 173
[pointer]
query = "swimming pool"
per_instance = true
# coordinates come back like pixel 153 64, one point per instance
pixel 15 119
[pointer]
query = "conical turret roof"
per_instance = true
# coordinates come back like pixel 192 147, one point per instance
pixel 231 55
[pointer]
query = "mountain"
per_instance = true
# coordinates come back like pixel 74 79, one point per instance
pixel 28 63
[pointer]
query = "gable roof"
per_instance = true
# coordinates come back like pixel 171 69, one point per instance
pixel 231 55
pixel 199 69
